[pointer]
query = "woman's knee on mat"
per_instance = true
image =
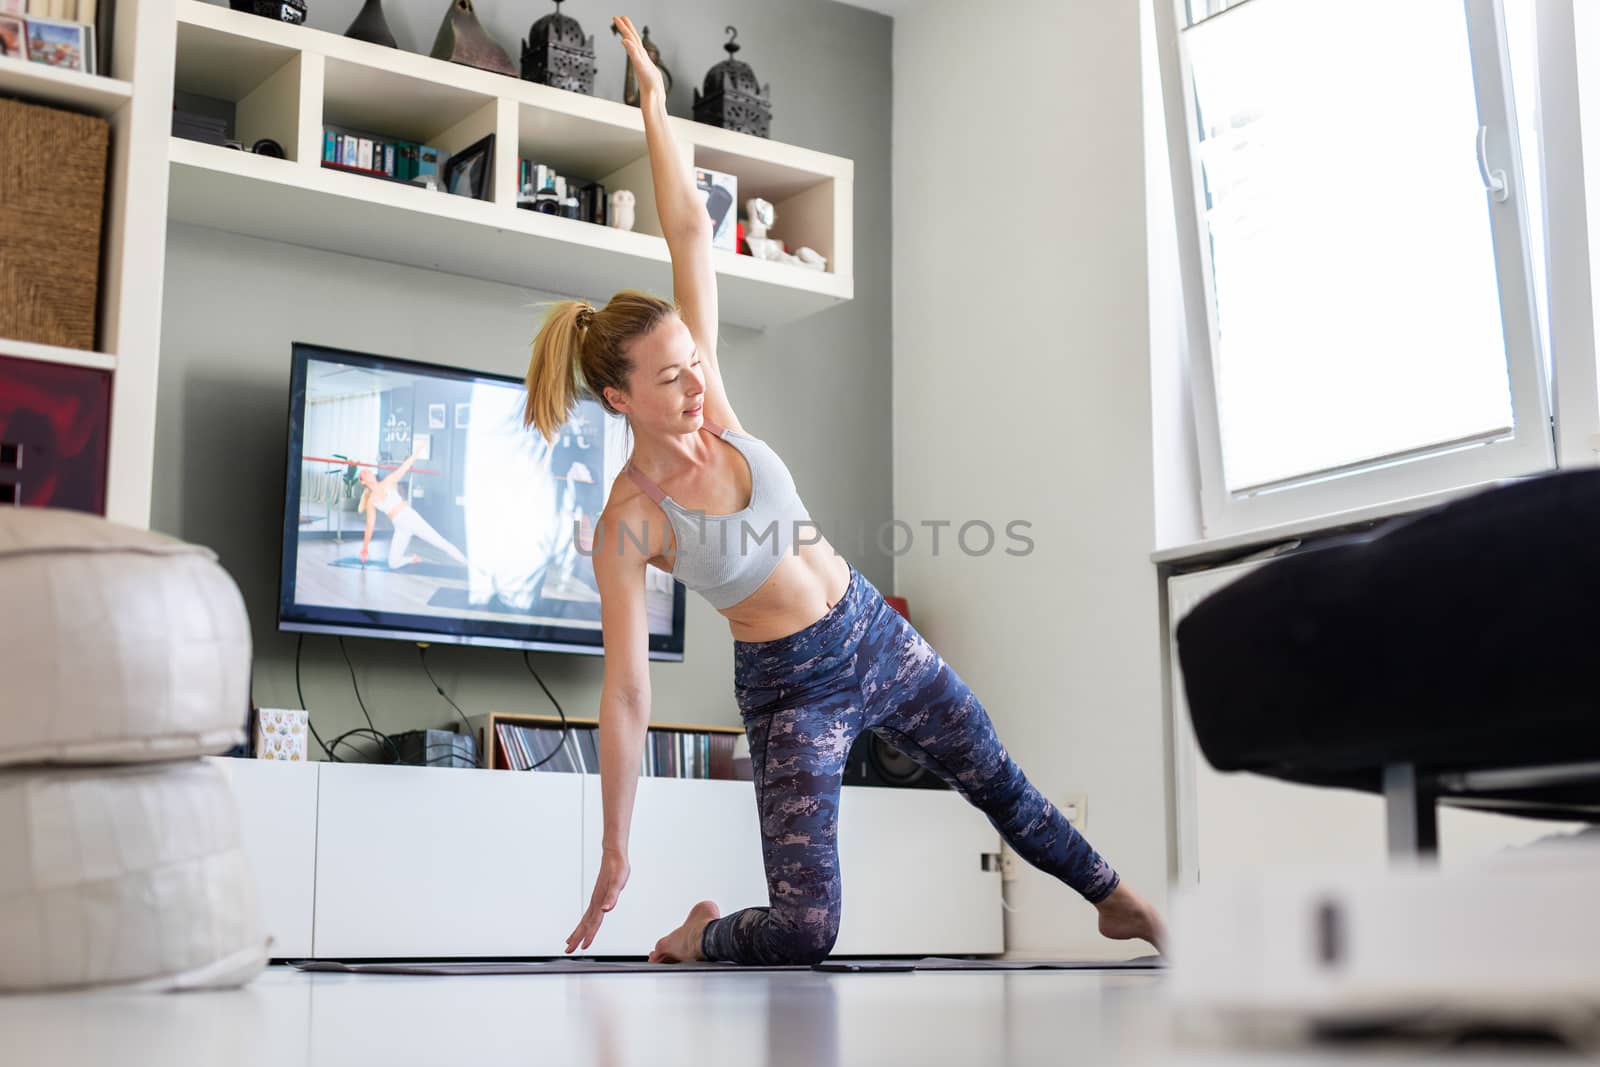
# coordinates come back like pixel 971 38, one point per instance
pixel 808 939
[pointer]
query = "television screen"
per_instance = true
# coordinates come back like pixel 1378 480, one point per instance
pixel 418 507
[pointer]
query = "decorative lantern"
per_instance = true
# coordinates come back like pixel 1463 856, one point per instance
pixel 557 53
pixel 733 99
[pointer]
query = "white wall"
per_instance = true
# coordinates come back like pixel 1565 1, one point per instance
pixel 1022 390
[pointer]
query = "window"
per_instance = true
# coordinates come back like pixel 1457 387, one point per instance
pixel 1355 248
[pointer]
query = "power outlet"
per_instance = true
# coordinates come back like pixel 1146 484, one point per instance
pixel 1008 864
pixel 1075 806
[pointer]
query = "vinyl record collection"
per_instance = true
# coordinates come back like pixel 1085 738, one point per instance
pixel 667 753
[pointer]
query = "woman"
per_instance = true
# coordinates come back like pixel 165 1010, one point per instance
pixel 818 654
pixel 385 496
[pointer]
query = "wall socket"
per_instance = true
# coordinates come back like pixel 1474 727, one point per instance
pixel 1075 806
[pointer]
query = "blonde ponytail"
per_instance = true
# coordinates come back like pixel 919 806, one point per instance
pixel 553 373
pixel 581 350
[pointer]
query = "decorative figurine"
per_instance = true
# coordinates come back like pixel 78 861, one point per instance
pixel 462 39
pixel 630 80
pixel 762 215
pixel 557 53
pixel 370 25
pixel 733 99
pixel 622 209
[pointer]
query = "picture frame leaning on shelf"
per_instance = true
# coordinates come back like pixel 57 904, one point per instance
pixel 61 43
pixel 467 171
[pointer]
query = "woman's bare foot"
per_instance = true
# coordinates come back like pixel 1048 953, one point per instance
pixel 1125 915
pixel 683 944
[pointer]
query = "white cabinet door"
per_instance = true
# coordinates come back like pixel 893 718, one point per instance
pixel 431 861
pixel 277 803
pixel 690 840
pixel 912 865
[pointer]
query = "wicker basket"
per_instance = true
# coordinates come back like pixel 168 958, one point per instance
pixel 52 196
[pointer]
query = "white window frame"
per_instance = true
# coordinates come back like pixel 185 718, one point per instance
pixel 1530 447
pixel 1569 111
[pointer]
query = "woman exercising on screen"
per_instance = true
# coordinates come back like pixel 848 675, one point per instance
pixel 819 655
pixel 384 495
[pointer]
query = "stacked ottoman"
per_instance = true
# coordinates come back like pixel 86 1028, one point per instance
pixel 124 658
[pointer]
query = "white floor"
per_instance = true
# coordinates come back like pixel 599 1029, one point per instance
pixel 759 1019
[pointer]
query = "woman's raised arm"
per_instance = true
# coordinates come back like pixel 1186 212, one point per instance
pixel 684 222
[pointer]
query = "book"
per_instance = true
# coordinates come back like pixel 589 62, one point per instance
pixel 428 161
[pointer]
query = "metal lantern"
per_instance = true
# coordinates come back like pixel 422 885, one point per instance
pixel 557 53
pixel 733 99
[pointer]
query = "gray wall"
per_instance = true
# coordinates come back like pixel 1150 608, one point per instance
pixel 1048 354
pixel 818 390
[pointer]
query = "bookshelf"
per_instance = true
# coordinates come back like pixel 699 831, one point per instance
pixel 135 98
pixel 287 82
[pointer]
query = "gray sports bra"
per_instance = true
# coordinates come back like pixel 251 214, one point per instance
pixel 725 558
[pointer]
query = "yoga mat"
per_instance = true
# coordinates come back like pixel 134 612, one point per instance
pixel 425 568
pixel 585 966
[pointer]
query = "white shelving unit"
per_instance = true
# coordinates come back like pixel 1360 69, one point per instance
pixel 136 99
pixel 359 860
pixel 288 81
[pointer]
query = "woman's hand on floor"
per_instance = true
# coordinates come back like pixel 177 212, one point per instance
pixel 607 887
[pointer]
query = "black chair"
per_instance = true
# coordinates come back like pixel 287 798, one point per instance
pixel 1451 655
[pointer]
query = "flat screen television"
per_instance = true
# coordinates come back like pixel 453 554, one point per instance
pixel 417 507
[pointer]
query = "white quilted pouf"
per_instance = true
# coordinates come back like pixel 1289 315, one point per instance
pixel 116 644
pixel 124 875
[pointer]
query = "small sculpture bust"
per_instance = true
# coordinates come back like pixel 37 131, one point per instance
pixel 760 215
pixel 621 214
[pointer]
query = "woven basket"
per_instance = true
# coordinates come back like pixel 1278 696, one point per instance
pixel 52 194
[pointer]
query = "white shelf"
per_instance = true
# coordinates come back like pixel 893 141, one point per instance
pixel 44 84
pixel 76 357
pixel 288 81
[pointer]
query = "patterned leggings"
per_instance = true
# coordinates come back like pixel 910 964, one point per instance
pixel 805 698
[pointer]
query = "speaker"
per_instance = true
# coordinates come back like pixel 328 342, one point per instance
pixel 874 761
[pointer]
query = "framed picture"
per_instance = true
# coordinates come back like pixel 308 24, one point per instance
pixel 435 416
pixel 13 36
pixel 466 173
pixel 58 43
pixel 463 413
